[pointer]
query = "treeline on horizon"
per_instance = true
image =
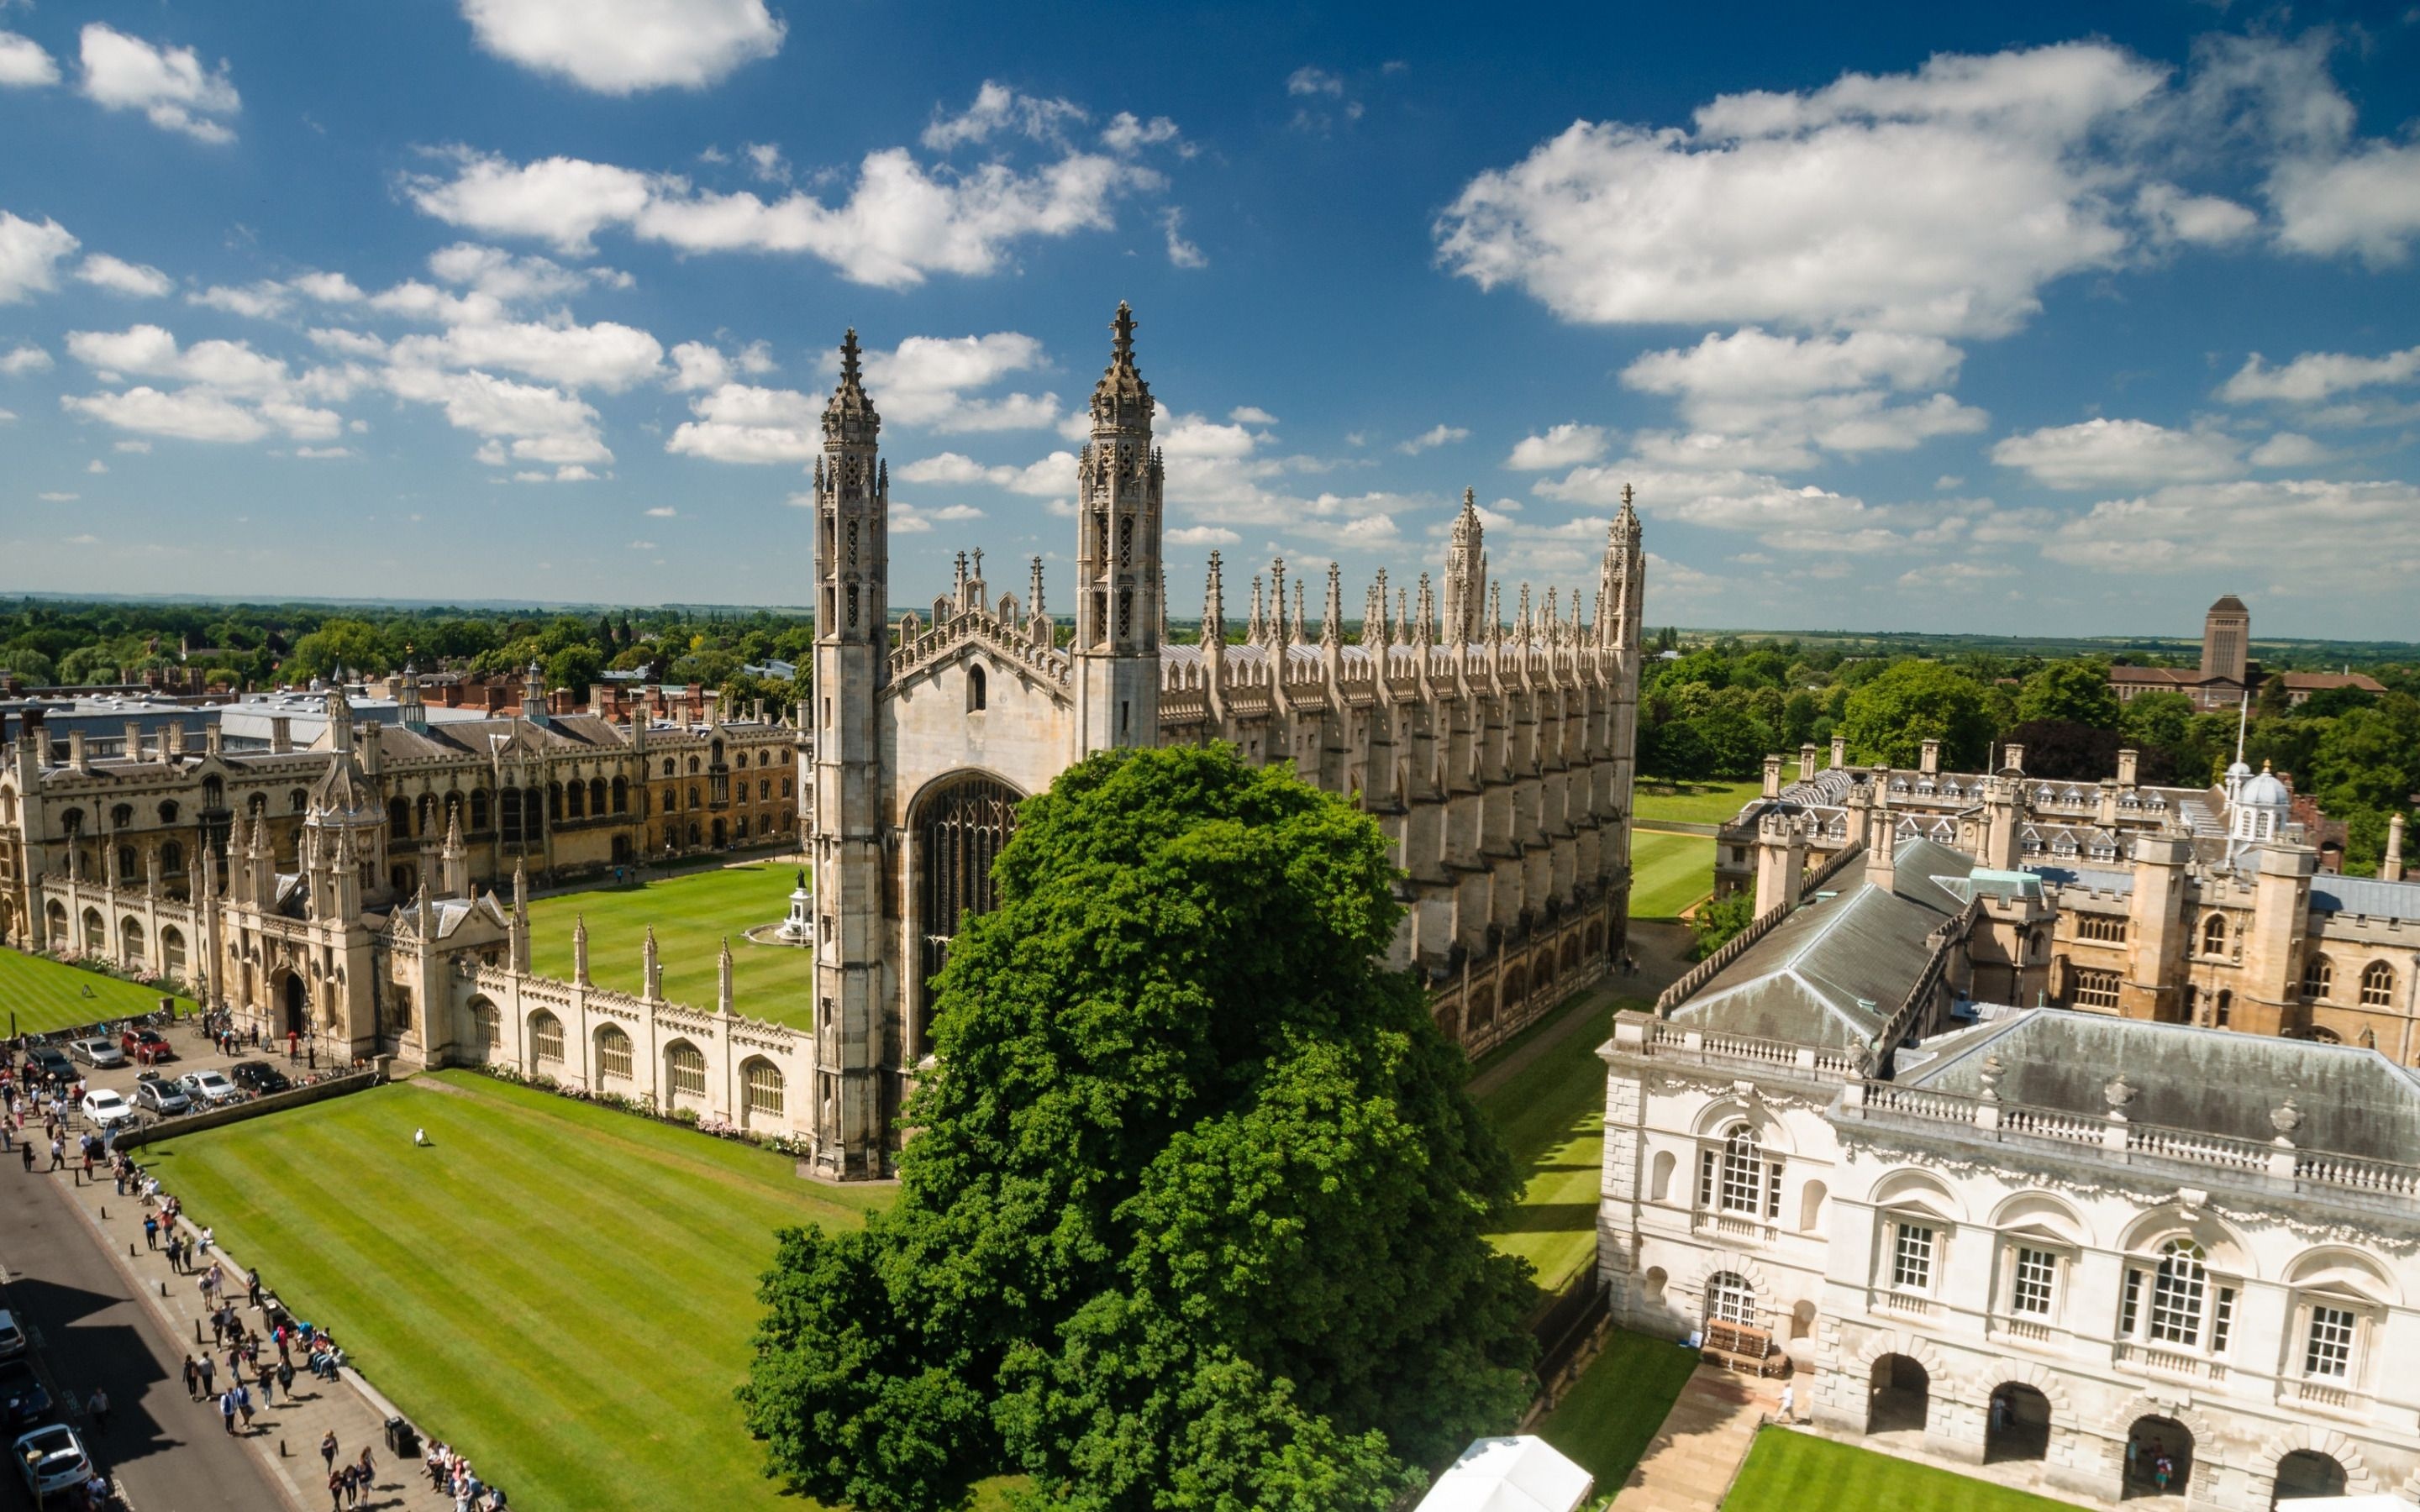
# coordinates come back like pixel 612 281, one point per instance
pixel 1713 710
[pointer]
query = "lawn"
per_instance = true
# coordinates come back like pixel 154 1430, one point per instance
pixel 691 915
pixel 1609 1415
pixel 1668 873
pixel 40 996
pixel 1656 798
pixel 1789 1472
pixel 563 1291
pixel 1550 1115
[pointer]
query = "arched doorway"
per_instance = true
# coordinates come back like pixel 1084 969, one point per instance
pixel 2018 1427
pixel 722 834
pixel 2159 1459
pixel 966 823
pixel 297 1003
pixel 1898 1395
pixel 1729 1299
pixel 2308 1472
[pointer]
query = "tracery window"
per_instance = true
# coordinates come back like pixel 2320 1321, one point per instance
pixel 2319 977
pixel 546 1038
pixel 2108 927
pixel 2377 985
pixel 2095 989
pixel 613 1053
pixel 2213 934
pixel 965 827
pixel 685 1070
pixel 762 1086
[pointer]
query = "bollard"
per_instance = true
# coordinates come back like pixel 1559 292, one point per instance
pixel 104 1211
pixel 130 1249
pixel 197 1322
pixel 164 1289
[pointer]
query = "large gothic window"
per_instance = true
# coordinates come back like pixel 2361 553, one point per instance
pixel 964 829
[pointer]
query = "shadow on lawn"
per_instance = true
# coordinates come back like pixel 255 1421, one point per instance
pixel 1549 1218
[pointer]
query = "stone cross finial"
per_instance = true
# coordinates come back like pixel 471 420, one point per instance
pixel 848 361
pixel 1122 343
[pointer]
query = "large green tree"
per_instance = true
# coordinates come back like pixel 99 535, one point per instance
pixel 2076 692
pixel 1193 1215
pixel 1890 718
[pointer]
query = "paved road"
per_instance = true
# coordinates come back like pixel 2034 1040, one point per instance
pixel 168 1454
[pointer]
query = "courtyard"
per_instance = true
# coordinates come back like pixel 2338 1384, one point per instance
pixel 42 997
pixel 564 1293
pixel 1668 872
pixel 1791 1472
pixel 691 914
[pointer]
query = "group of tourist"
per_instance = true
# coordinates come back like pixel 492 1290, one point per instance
pixel 450 1474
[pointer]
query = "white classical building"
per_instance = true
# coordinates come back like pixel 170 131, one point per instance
pixel 2058 1247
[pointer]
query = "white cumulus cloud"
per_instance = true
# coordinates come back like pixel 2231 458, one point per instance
pixel 1435 436
pixel 20 360
pixel 620 47
pixel 2314 377
pixel 741 422
pixel 1568 444
pixel 2291 532
pixel 925 380
pixel 30 253
pixel 23 65
pixel 2102 453
pixel 119 276
pixel 167 83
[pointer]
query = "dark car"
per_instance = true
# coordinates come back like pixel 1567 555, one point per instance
pixel 24 1400
pixel 146 1047
pixel 46 1062
pixel 258 1077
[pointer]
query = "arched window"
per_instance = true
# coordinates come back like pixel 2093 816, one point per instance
pixel 168 812
pixel 613 1053
pixel 122 817
pixel 976 690
pixel 172 859
pixel 621 795
pixel 685 1070
pixel 214 794
pixel 692 795
pixel 575 801
pixel 1737 1178
pixel 2213 934
pixel 171 950
pixel 2319 977
pixel 546 1037
pixel 478 808
pixel 257 805
pixel 2179 1293
pixel 692 767
pixel 399 818
pixel 96 933
pixel 596 796
pixel 129 938
pixel 129 866
pixel 1729 1299
pixel 760 1081
pixel 486 1025
pixel 963 830
pixel 2377 985
pixel 669 769
pixel 554 802
pixel 298 800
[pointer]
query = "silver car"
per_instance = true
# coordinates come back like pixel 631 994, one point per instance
pixel 99 1051
pixel 53 1461
pixel 210 1086
pixel 160 1095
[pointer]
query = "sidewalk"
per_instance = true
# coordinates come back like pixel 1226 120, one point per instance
pixel 1689 1464
pixel 286 1434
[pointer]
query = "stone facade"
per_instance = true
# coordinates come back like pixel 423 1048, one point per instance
pixel 1498 757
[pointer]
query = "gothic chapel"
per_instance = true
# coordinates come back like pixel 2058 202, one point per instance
pixel 1498 756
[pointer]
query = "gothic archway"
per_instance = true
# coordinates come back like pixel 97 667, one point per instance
pixel 963 823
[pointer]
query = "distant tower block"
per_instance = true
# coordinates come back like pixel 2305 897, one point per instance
pixel 2226 639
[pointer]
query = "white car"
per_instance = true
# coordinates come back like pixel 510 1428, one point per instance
pixel 53 1461
pixel 105 1109
pixel 210 1086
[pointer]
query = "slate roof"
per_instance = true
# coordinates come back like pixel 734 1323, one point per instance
pixel 1834 969
pixel 2353 1101
pixel 2366 895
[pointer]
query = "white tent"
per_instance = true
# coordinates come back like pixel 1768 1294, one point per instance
pixel 1523 1475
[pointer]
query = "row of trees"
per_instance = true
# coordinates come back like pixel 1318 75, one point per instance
pixel 242 647
pixel 1716 711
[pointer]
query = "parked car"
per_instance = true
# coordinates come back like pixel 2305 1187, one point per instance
pixel 97 1052
pixel 53 1461
pixel 146 1047
pixel 258 1077
pixel 24 1399
pixel 161 1095
pixel 12 1338
pixel 210 1086
pixel 105 1109
pixel 47 1062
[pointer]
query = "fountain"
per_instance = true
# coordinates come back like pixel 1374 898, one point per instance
pixel 799 928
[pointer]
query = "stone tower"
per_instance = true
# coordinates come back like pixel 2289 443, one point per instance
pixel 852 658
pixel 1465 574
pixel 2225 638
pixel 1118 574
pixel 1622 581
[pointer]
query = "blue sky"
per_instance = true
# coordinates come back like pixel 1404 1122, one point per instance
pixel 1926 321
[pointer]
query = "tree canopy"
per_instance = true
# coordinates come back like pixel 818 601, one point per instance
pixel 1890 718
pixel 1193 1218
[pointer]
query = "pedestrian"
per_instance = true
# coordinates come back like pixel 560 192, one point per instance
pixel 207 1370
pixel 368 1467
pixel 98 1407
pixel 335 1490
pixel 150 1231
pixel 192 1379
pixel 207 1237
pixel 242 1399
pixel 286 1376
pixel 1789 1403
pixel 352 1474
pixel 328 1450
pixel 59 1151
pixel 268 1385
pixel 27 1148
pixel 226 1411
pixel 218 1320
pixel 252 1287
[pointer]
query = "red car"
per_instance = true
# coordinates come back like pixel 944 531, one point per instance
pixel 146 1047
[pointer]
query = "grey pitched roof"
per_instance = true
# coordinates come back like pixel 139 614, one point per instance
pixel 1832 971
pixel 2100 879
pixel 2353 1101
pixel 2367 895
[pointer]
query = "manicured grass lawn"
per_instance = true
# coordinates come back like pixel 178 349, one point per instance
pixel 42 995
pixel 1550 1115
pixel 1668 873
pixel 1789 1472
pixel 691 916
pixel 1692 803
pixel 1610 1414
pixel 564 1292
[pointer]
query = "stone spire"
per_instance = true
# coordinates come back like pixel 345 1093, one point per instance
pixel 1622 581
pixel 1494 627
pixel 340 720
pixel 1283 634
pixel 651 969
pixel 1214 611
pixel 1331 614
pixel 1424 621
pixel 1037 621
pixel 1466 573
pixel 579 948
pixel 1373 613
pixel 723 998
pixel 1119 569
pixel 1301 617
pixel 849 418
pixel 1256 630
